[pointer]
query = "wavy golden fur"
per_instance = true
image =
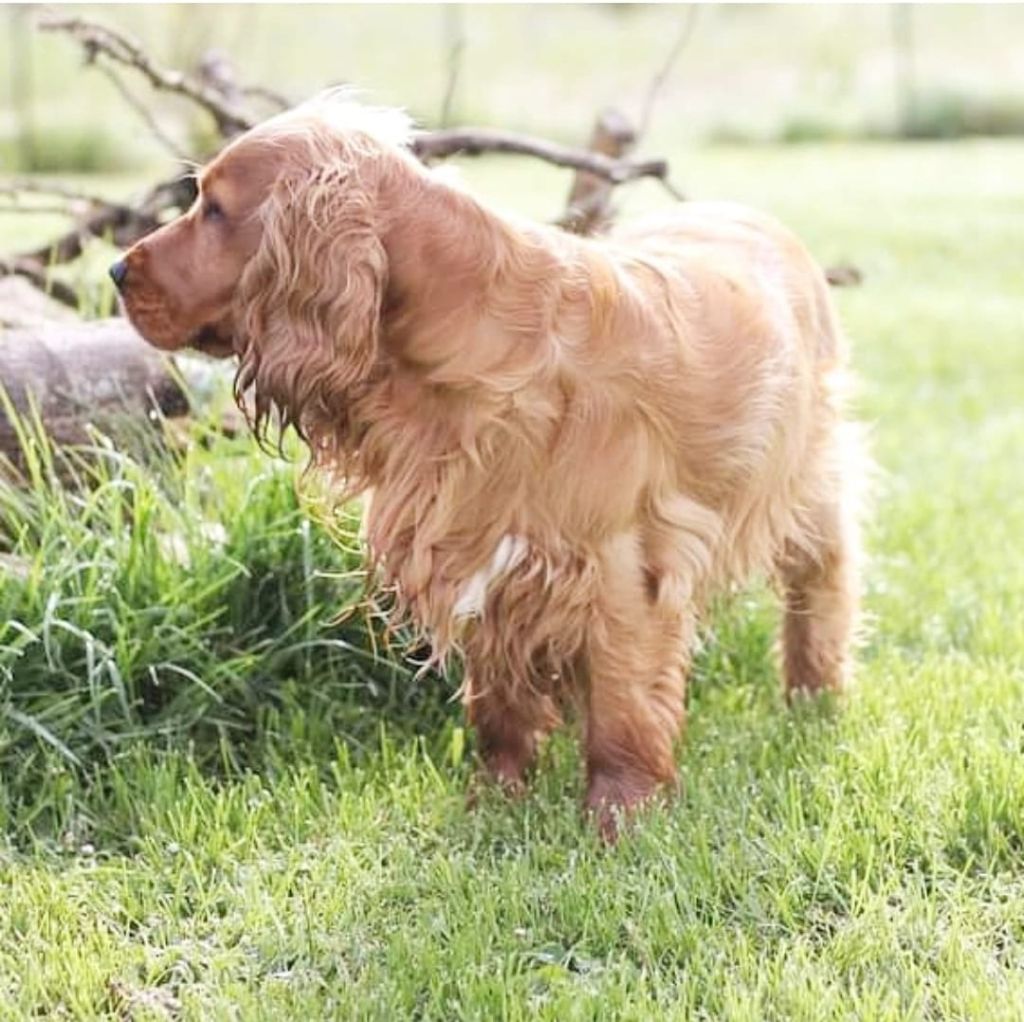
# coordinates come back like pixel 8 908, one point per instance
pixel 570 443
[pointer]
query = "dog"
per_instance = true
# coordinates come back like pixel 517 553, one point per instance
pixel 569 444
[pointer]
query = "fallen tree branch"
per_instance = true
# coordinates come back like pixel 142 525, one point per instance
pixel 98 40
pixel 455 44
pixel 145 114
pixel 124 224
pixel 213 88
pixel 18 185
pixel 37 275
pixel 660 76
pixel 589 214
pixel 672 190
pixel 438 145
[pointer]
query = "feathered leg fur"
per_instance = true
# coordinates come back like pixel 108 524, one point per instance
pixel 637 649
pixel 508 726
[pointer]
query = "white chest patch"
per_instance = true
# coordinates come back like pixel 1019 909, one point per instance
pixel 508 553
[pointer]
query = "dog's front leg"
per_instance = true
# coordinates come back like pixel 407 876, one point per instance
pixel 637 650
pixel 509 721
pixel 822 588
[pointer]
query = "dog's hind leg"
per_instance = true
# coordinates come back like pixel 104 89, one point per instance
pixel 820 578
pixel 636 654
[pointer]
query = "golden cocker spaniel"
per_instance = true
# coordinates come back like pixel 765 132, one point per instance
pixel 570 443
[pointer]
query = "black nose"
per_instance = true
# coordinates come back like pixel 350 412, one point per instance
pixel 118 271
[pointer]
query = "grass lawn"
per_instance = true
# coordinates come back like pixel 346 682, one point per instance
pixel 216 805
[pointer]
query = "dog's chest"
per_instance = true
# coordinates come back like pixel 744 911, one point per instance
pixel 471 595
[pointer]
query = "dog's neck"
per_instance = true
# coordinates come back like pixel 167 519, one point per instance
pixel 490 333
pixel 491 328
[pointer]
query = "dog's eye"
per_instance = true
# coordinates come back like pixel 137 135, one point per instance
pixel 212 210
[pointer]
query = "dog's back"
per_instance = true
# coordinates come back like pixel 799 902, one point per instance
pixel 748 249
pixel 746 369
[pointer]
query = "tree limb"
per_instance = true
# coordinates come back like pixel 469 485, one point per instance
pixel 145 114
pixel 218 94
pixel 588 208
pixel 14 186
pixel 36 275
pixel 437 145
pixel 588 214
pixel 660 76
pixel 126 224
pixel 455 39
pixel 98 40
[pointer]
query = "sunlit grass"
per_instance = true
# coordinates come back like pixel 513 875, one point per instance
pixel 256 821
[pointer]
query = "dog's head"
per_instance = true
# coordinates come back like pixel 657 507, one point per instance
pixel 280 260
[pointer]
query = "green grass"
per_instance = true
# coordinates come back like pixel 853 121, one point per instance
pixel 273 826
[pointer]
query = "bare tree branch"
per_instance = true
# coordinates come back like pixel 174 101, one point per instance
pixel 586 215
pixel 216 70
pixel 676 193
pixel 455 37
pixel 660 76
pixel 37 275
pixel 97 40
pixel 17 186
pixel 214 88
pixel 17 207
pixel 437 145
pixel 269 96
pixel 145 114
pixel 125 224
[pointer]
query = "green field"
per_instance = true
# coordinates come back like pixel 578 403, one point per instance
pixel 216 805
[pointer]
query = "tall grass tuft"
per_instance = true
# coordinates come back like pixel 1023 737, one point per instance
pixel 163 606
pixel 183 600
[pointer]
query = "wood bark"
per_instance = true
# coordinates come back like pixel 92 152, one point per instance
pixel 588 209
pixel 76 376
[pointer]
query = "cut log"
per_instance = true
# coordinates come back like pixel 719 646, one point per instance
pixel 82 375
pixel 24 305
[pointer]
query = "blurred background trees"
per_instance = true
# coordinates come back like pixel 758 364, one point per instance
pixel 771 73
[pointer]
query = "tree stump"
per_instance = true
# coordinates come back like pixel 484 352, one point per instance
pixel 588 209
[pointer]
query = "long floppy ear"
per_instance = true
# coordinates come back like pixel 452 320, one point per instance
pixel 309 302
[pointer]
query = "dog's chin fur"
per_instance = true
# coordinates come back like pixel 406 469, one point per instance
pixel 571 444
pixel 213 341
